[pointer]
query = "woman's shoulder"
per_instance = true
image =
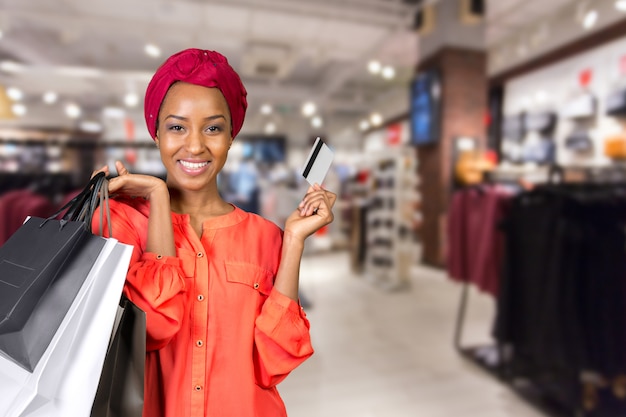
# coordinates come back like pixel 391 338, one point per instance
pixel 131 207
pixel 262 222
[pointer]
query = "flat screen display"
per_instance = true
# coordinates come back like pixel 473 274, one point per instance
pixel 269 149
pixel 425 109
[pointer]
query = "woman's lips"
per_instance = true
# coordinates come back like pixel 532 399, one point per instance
pixel 193 168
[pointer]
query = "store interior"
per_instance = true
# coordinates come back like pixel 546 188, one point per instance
pixel 476 262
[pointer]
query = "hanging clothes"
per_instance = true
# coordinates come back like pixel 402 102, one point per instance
pixel 16 205
pixel 475 243
pixel 561 312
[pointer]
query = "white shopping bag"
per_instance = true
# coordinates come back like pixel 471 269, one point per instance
pixel 65 380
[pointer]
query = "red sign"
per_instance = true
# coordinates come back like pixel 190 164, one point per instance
pixel 394 134
pixel 584 78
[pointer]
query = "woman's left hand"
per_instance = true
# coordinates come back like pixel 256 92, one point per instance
pixel 313 213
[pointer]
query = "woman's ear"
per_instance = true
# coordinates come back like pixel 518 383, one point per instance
pixel 156 140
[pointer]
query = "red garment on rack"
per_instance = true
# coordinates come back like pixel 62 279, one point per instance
pixel 475 244
pixel 16 205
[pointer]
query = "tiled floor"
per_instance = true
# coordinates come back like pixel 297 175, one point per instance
pixel 390 354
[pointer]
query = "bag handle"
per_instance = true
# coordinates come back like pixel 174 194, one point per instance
pixel 82 207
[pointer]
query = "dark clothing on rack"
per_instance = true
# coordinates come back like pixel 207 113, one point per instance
pixel 562 305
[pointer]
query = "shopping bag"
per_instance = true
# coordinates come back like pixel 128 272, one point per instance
pixel 93 308
pixel 120 390
pixel 68 387
pixel 43 253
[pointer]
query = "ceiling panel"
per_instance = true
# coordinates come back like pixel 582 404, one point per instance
pixel 320 47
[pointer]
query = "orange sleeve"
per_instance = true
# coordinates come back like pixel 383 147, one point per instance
pixel 282 339
pixel 155 284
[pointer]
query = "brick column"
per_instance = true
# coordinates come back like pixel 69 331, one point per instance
pixel 464 83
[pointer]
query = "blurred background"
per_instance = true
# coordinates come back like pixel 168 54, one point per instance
pixel 476 264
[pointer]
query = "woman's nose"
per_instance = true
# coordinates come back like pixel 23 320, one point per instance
pixel 194 142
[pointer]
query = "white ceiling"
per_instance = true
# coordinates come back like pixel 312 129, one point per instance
pixel 287 51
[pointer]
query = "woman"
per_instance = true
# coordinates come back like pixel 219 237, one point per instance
pixel 219 285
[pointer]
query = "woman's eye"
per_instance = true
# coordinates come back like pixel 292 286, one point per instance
pixel 175 128
pixel 213 129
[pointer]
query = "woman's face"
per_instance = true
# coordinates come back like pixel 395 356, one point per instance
pixel 194 135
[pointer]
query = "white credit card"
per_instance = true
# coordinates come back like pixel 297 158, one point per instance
pixel 318 163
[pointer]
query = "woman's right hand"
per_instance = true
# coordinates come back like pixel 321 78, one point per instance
pixel 133 185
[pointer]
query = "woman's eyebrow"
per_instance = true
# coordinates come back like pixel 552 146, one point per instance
pixel 174 116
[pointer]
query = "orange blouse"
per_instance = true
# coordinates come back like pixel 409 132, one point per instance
pixel 220 337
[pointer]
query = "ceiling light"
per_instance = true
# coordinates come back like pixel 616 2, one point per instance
pixel 266 109
pixel 50 97
pixel 15 93
pixel 19 109
pixel 152 50
pixel 80 72
pixel 270 128
pixel 590 19
pixel 376 119
pixel 11 66
pixel 620 5
pixel 91 126
pixel 113 113
pixel 131 99
pixel 388 72
pixel 308 109
pixel 317 122
pixel 364 124
pixel 72 111
pixel 374 67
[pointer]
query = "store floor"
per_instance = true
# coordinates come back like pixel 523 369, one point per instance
pixel 390 354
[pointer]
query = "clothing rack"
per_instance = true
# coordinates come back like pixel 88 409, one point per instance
pixel 493 358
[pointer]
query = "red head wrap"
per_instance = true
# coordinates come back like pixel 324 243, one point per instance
pixel 199 67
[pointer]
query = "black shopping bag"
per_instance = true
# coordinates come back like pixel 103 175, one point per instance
pixel 120 390
pixel 41 254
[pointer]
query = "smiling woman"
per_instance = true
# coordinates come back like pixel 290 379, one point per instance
pixel 219 285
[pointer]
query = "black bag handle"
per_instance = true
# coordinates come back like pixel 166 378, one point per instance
pixel 82 207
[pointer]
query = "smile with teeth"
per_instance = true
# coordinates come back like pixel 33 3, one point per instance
pixel 193 165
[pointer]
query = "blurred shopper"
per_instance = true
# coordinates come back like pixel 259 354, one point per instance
pixel 219 284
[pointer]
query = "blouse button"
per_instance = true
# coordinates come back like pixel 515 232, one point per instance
pixel 199 343
pixel 200 297
pixel 198 388
pixel 256 285
pixel 199 255
pixel 159 257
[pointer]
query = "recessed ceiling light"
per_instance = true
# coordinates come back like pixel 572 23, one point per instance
pixel 270 128
pixel 266 109
pixel 19 109
pixel 317 122
pixel 364 124
pixel 309 109
pixel 374 67
pixel 15 93
pixel 131 99
pixel 590 19
pixel 72 110
pixel 50 97
pixel 388 72
pixel 376 119
pixel 152 50
pixel 620 5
